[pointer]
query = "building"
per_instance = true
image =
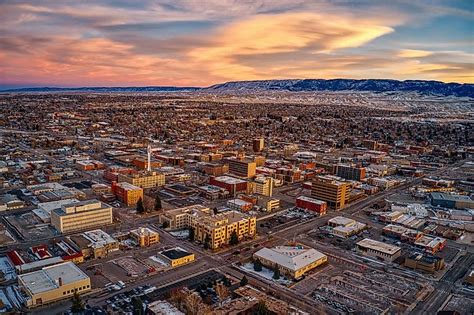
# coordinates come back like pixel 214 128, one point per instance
pixel 240 205
pixel 292 261
pixel 258 144
pixel 451 201
pixel 231 184
pixel 215 169
pixel 430 244
pixel 127 193
pixel 312 204
pixel 331 190
pixel 214 229
pixel 263 186
pixel 272 204
pixel 379 250
pixel 425 262
pixel 242 167
pixel 53 283
pixel 11 202
pixel 95 244
pixel 81 215
pixel 143 180
pixel 88 165
pixel 350 172
pixel 345 227
pixel 161 307
pixel 145 236
pixel 176 257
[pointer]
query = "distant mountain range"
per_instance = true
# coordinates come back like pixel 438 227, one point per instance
pixel 305 85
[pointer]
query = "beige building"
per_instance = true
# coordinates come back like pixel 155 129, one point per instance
pixel 331 190
pixel 53 283
pixel 95 244
pixel 216 229
pixel 145 236
pixel 263 186
pixel 81 215
pixel 242 167
pixel 176 257
pixel 143 180
pixel 380 250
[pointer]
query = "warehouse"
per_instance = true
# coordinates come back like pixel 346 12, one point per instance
pixel 380 250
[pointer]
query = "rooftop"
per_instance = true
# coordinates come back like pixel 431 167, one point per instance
pixel 229 180
pixel 378 246
pixel 290 257
pixel 175 253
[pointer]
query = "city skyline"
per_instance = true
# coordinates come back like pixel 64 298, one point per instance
pixel 200 43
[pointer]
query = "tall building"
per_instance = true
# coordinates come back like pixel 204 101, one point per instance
pixel 214 228
pixel 258 145
pixel 350 172
pixel 143 180
pixel 81 215
pixel 145 236
pixel 242 167
pixel 329 189
pixel 53 283
pixel 263 186
pixel 127 193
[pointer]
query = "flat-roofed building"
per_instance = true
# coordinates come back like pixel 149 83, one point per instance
pixel 331 190
pixel 425 262
pixel 95 244
pixel 258 144
pixel 176 257
pixel 451 201
pixel 143 180
pixel 345 227
pixel 263 186
pixel 81 215
pixel 214 169
pixel 350 172
pixel 145 236
pixel 380 250
pixel 215 229
pixel 231 184
pixel 127 193
pixel 242 167
pixel 240 205
pixel 53 283
pixel 293 261
pixel 312 204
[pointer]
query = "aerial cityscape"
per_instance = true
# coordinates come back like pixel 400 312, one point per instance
pixel 236 157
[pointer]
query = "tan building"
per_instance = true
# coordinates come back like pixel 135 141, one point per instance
pixel 95 244
pixel 145 236
pixel 216 229
pixel 53 283
pixel 380 250
pixel 127 193
pixel 263 186
pixel 81 215
pixel 242 167
pixel 176 257
pixel 143 180
pixel 331 190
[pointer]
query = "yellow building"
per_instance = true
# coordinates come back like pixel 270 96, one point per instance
pixel 242 167
pixel 81 215
pixel 292 261
pixel 215 229
pixel 263 186
pixel 53 283
pixel 329 189
pixel 272 204
pixel 143 180
pixel 145 236
pixel 176 257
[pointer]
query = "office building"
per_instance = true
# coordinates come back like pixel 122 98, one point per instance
pixel 379 250
pixel 145 236
pixel 215 229
pixel 424 262
pixel 176 257
pixel 53 283
pixel 258 144
pixel 81 215
pixel 312 204
pixel 242 167
pixel 143 180
pixel 331 190
pixel 231 184
pixel 263 186
pixel 127 193
pixel 292 261
pixel 95 244
pixel 350 172
pixel 214 169
pixel 345 227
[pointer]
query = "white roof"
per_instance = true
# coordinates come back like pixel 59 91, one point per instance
pixel 229 180
pixel 378 246
pixel 313 200
pixel 290 257
pixel 47 279
pixel 342 221
pixel 50 206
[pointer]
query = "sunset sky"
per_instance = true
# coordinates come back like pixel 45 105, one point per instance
pixel 199 43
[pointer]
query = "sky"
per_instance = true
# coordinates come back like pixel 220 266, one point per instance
pixel 204 42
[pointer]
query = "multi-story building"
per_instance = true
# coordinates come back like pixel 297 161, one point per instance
pixel 425 262
pixel 331 190
pixel 242 167
pixel 145 236
pixel 127 193
pixel 95 244
pixel 345 227
pixel 312 204
pixel 263 186
pixel 143 180
pixel 231 184
pixel 215 229
pixel 53 283
pixel 350 172
pixel 258 144
pixel 81 215
pixel 214 169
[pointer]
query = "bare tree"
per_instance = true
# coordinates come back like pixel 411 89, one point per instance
pixel 222 292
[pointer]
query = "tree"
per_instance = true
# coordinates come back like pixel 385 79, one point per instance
pixel 165 225
pixel 77 304
pixel 191 234
pixel 158 206
pixel 226 281
pixel 234 239
pixel 137 304
pixel 207 242
pixel 222 292
pixel 276 273
pixel 257 265
pixel 215 211
pixel 140 208
pixel 261 308
pixel 244 281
